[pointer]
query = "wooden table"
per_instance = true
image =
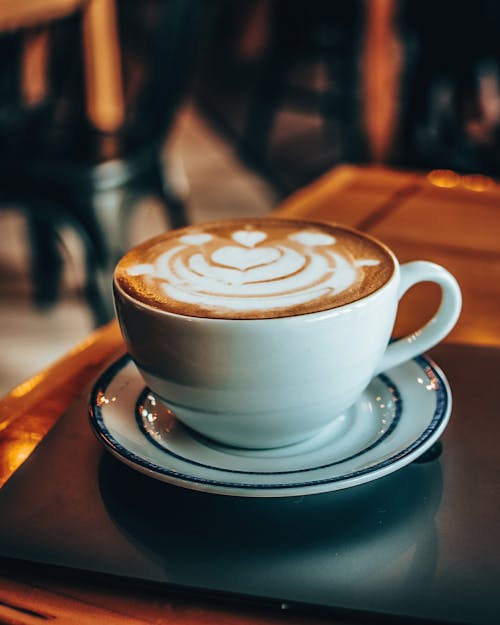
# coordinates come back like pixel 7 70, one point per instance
pixel 450 219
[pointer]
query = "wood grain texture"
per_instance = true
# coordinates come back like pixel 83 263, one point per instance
pixel 29 411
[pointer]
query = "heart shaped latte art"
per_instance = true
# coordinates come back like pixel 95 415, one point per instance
pixel 249 238
pixel 244 258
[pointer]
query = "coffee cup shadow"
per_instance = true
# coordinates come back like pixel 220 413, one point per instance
pixel 248 545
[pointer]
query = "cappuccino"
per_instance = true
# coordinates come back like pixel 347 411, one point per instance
pixel 278 374
pixel 254 269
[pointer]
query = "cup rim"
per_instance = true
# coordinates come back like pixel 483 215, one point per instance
pixel 314 315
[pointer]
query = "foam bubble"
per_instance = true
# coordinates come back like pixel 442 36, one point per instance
pixel 196 239
pixel 312 238
pixel 249 238
pixel 366 262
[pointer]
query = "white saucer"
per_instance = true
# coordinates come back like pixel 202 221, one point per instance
pixel 399 416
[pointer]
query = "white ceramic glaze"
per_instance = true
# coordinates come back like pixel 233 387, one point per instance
pixel 401 414
pixel 266 383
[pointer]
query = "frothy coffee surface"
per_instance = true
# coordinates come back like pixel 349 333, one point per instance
pixel 255 268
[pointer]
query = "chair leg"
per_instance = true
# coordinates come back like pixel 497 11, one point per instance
pixel 47 268
pixel 263 107
pixel 161 178
pixel 98 291
pixel 46 261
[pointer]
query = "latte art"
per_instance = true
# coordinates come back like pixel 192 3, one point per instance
pixel 261 268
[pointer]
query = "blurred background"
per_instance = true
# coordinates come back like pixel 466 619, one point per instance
pixel 121 118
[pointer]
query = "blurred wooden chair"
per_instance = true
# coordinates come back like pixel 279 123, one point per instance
pixel 91 89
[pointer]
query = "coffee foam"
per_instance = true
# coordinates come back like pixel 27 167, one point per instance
pixel 256 268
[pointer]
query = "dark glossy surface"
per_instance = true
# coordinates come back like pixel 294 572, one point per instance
pixel 422 542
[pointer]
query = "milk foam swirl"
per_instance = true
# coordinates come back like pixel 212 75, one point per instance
pixel 250 270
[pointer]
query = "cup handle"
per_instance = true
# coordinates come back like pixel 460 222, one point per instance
pixel 438 326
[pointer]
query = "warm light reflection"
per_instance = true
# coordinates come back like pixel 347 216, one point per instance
pixel 101 399
pixel 18 451
pixel 17 443
pixel 445 178
pixel 29 411
pixel 478 182
pixel 433 383
pixel 448 179
pixel 26 387
pixel 387 410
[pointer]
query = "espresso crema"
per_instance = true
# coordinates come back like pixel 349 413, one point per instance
pixel 255 268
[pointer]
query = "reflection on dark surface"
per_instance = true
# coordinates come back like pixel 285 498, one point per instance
pixel 370 547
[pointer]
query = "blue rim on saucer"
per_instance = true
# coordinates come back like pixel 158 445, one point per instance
pixel 401 414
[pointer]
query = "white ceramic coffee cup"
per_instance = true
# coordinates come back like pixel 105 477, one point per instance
pixel 264 383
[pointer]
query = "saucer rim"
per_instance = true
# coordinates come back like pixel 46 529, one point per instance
pixel 416 448
pixel 385 379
